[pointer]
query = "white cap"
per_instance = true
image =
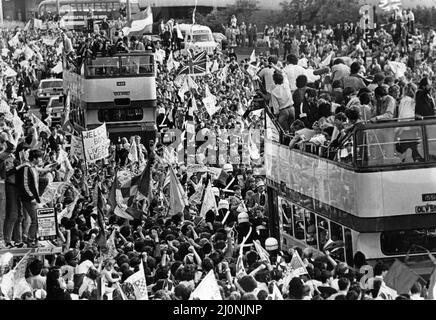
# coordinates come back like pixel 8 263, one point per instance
pixel 260 184
pixel 223 204
pixel 271 244
pixel 228 167
pixel 243 217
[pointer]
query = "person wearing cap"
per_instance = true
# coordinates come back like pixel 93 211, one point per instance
pixel 244 229
pixel 231 180
pixel 260 197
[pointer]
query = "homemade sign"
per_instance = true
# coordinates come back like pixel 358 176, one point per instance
pixel 96 144
pixel 47 224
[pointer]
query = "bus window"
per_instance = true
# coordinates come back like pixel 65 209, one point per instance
pixel 323 231
pixel 310 224
pixel 400 242
pixel 298 220
pixel 146 65
pixel 102 67
pixel 285 209
pixel 348 246
pixel 337 236
pixel 386 146
pixel 431 138
pixel 120 115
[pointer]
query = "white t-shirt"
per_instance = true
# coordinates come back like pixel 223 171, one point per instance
pixel 84 267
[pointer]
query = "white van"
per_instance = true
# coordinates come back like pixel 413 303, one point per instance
pixel 195 35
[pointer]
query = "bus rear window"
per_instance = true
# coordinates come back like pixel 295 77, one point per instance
pixel 402 242
pixel 119 115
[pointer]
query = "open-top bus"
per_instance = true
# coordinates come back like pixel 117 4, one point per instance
pixel 76 11
pixel 118 90
pixel 376 194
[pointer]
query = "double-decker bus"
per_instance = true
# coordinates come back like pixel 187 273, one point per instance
pixel 118 90
pixel 74 12
pixel 375 194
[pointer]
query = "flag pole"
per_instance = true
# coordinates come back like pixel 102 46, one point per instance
pixel 128 10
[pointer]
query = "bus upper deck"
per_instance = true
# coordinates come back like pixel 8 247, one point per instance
pixel 377 188
pixel 119 90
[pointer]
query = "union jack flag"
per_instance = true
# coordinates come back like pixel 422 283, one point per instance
pixel 195 65
pixel 390 5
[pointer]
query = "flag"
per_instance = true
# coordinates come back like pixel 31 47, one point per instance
pixel 193 106
pixel 253 56
pixel 263 254
pixel 195 65
pixel 101 204
pixel 27 26
pixel 398 68
pixel 390 5
pixel 223 74
pixel 222 178
pixel 432 286
pixel 400 277
pixel 297 266
pixel 171 63
pixel 178 199
pixel 208 289
pixel 126 194
pixel 5 262
pixel 240 269
pixel 215 66
pixel 276 294
pixel 133 152
pixel 139 283
pixel 40 125
pixel 20 276
pixel 141 23
pixel 209 201
pixel 14 41
pixel 145 179
pixel 58 68
pixel 326 62
pixel 67 108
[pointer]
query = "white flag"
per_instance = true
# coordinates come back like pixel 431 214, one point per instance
pixel 209 201
pixel 208 289
pixel 253 56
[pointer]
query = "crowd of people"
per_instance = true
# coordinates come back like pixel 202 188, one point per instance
pixel 174 251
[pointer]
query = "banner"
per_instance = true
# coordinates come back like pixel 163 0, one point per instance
pixel 96 144
pixel 76 147
pixel 47 224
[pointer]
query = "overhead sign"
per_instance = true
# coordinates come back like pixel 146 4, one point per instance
pixel 96 144
pixel 47 224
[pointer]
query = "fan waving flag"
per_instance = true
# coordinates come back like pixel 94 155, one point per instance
pixel 390 5
pixel 194 66
pixel 139 283
pixel 297 266
pixel 141 23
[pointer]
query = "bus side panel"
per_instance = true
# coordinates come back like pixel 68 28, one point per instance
pixel 135 88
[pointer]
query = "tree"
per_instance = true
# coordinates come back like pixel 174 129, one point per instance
pixel 325 12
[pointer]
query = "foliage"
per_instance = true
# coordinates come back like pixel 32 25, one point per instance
pixel 425 16
pixel 310 12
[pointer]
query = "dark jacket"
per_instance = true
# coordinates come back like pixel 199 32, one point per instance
pixel 424 103
pixel 27 183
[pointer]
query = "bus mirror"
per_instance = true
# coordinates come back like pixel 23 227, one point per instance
pixel 61 99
